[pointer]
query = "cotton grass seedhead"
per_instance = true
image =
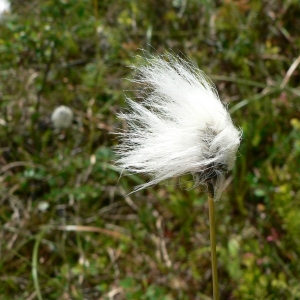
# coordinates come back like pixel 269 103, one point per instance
pixel 178 126
pixel 4 7
pixel 62 117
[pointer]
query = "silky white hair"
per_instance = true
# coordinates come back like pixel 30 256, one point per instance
pixel 4 6
pixel 179 126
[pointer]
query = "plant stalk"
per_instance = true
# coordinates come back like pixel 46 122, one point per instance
pixel 212 228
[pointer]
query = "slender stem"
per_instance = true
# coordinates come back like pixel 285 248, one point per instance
pixel 213 241
pixel 34 270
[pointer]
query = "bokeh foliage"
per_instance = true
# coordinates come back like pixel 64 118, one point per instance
pixel 153 244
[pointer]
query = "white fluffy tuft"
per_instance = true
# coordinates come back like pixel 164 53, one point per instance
pixel 180 125
pixel 62 117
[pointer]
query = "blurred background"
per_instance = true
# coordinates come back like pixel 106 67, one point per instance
pixel 67 228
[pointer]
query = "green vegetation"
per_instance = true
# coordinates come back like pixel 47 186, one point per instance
pixel 153 244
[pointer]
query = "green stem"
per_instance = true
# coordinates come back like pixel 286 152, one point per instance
pixel 34 270
pixel 213 241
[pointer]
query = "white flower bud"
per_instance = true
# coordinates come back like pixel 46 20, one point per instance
pixel 62 117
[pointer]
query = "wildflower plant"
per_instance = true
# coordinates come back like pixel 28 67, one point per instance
pixel 178 126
